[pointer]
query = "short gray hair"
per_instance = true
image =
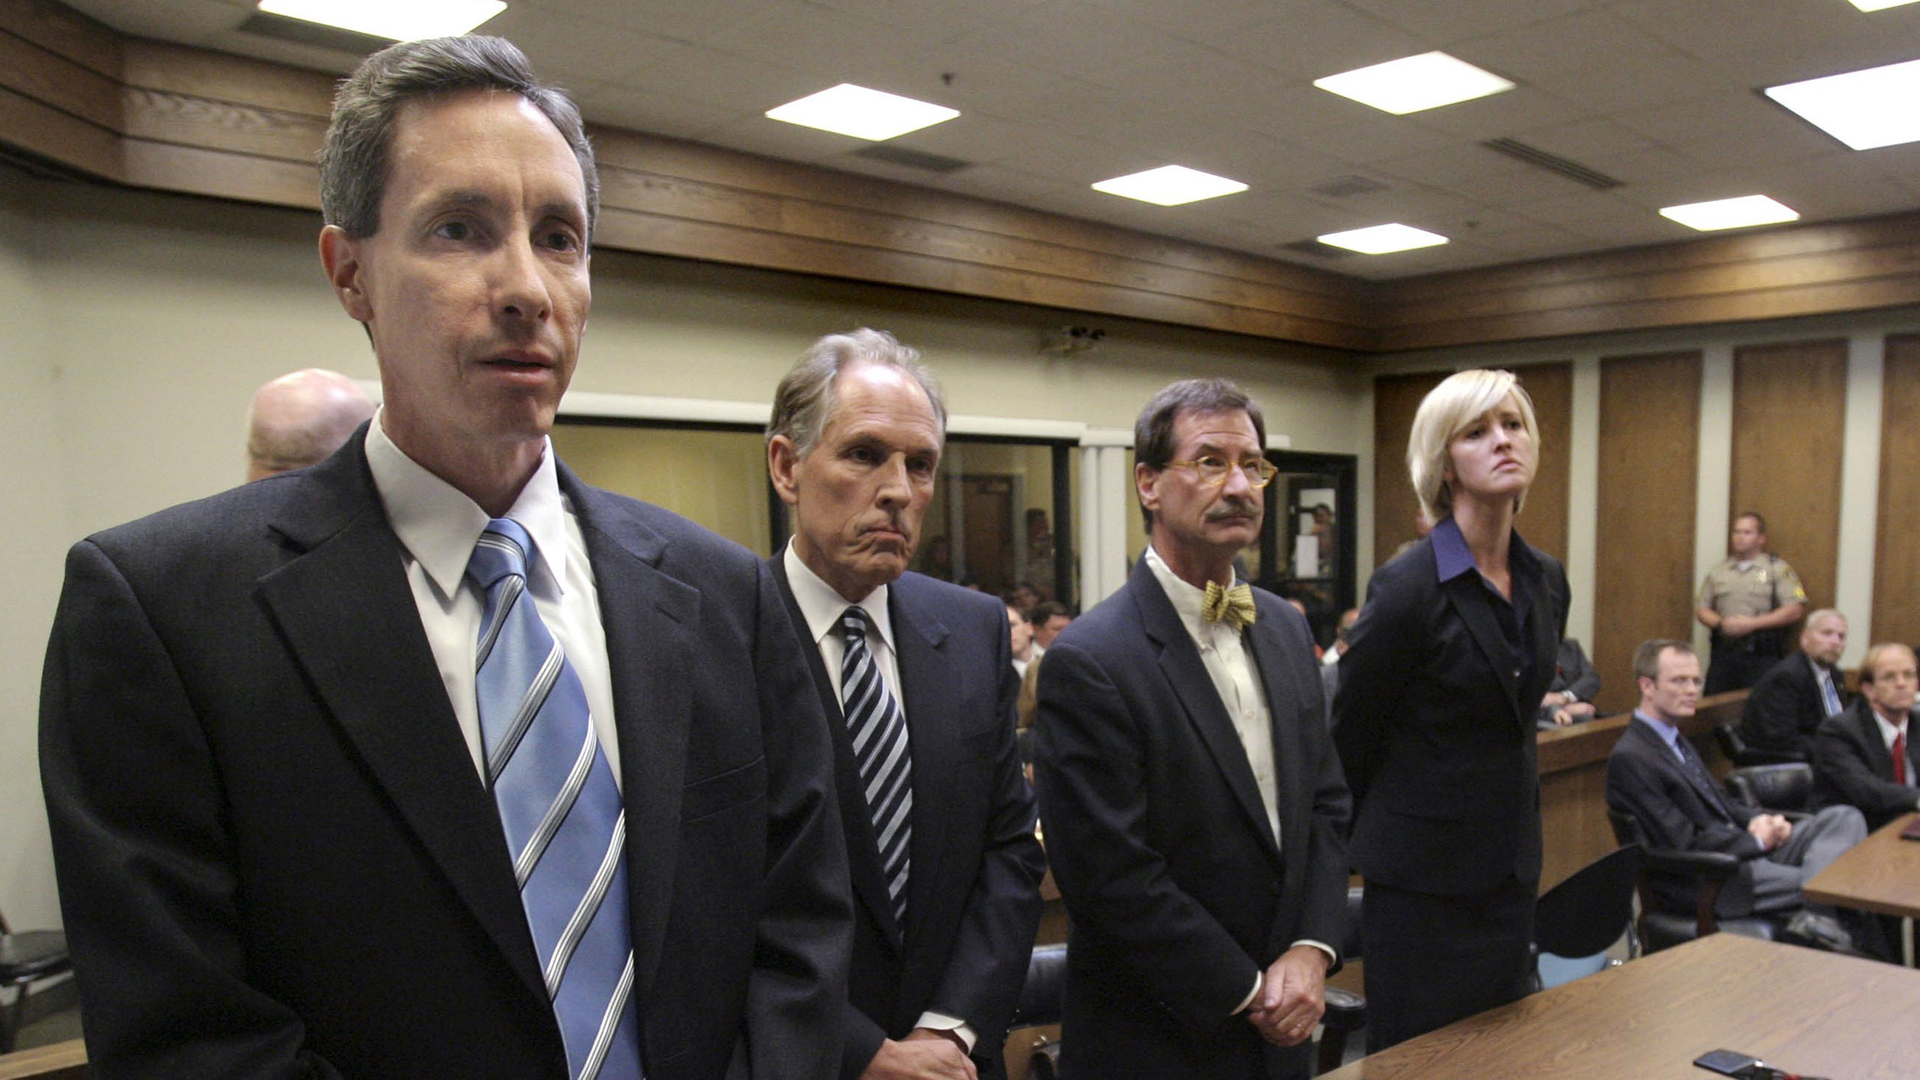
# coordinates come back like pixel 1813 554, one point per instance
pixel 1153 441
pixel 1446 411
pixel 354 160
pixel 804 401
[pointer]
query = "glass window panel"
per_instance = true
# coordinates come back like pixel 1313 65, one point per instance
pixel 994 522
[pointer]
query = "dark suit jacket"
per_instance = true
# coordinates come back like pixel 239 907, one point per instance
pixel 973 890
pixel 1853 766
pixel 1785 708
pixel 1437 736
pixel 1679 811
pixel 277 859
pixel 1177 894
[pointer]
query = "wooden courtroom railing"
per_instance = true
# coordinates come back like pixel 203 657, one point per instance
pixel 61 1061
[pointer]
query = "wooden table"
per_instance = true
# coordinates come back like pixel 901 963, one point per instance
pixel 1811 1012
pixel 1880 874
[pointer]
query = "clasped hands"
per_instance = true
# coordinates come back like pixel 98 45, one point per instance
pixel 925 1054
pixel 1292 997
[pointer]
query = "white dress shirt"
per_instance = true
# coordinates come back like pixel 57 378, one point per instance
pixel 1224 652
pixel 822 607
pixel 438 525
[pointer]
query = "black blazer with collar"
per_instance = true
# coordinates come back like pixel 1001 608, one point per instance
pixel 276 857
pixel 1680 811
pixel 1853 766
pixel 1175 889
pixel 1436 736
pixel 973 890
pixel 1785 707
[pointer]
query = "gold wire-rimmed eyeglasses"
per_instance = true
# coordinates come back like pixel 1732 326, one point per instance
pixel 1213 470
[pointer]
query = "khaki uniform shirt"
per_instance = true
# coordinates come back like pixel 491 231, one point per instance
pixel 1765 584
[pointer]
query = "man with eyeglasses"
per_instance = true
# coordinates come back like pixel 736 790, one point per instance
pixel 1193 802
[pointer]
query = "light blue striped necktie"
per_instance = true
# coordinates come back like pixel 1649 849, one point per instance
pixel 565 825
pixel 879 734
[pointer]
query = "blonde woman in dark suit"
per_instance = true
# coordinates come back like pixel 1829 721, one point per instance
pixel 1434 722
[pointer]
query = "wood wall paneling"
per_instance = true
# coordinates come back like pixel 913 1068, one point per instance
pixel 1543 521
pixel 1649 456
pixel 1896 551
pixel 1789 425
pixel 1396 398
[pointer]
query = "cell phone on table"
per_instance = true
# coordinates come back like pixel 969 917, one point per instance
pixel 1730 1063
pixel 1744 1067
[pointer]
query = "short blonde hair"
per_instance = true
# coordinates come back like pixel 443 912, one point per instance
pixel 1447 410
pixel 1870 666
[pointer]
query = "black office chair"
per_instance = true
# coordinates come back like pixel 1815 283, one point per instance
pixel 1346 1011
pixel 1579 919
pixel 26 958
pixel 1744 754
pixel 1703 871
pixel 1785 788
pixel 1041 1000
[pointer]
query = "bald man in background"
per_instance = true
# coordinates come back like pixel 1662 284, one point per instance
pixel 300 419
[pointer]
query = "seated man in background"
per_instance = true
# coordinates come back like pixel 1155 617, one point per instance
pixel 1862 756
pixel 1569 697
pixel 299 419
pixel 1657 777
pixel 1785 707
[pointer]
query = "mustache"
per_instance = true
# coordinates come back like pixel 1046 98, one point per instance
pixel 1232 506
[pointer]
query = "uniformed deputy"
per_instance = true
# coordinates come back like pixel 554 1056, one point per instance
pixel 1748 602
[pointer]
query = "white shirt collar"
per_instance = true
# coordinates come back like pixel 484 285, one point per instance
pixel 1888 731
pixel 822 606
pixel 1187 600
pixel 439 524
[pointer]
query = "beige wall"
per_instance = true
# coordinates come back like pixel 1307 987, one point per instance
pixel 139 324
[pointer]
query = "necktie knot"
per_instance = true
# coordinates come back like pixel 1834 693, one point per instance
pixel 1233 606
pixel 854 622
pixel 503 550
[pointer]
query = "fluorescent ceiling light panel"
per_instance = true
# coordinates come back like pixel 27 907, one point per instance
pixel 1413 83
pixel 1730 213
pixel 862 113
pixel 1383 239
pixel 1881 5
pixel 401 20
pixel 1170 185
pixel 1864 109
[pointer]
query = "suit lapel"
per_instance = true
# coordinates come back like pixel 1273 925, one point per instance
pixel 1265 647
pixel 1878 751
pixel 651 620
pixel 348 616
pixel 928 683
pixel 1193 687
pixel 863 851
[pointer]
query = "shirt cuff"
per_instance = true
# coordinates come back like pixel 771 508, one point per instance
pixel 1332 956
pixel 934 1021
pixel 1259 980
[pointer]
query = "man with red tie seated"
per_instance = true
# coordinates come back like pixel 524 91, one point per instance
pixel 1864 756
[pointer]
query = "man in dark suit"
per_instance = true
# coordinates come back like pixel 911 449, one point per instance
pixel 1194 806
pixel 1655 775
pixel 1569 697
pixel 916 675
pixel 1862 755
pixel 289 733
pixel 1785 707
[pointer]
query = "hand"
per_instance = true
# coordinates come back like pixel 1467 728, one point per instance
pixel 1562 718
pixel 1574 712
pixel 1736 625
pixel 1292 997
pixel 1771 830
pixel 924 1054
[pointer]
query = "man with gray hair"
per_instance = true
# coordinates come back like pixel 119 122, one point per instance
pixel 300 418
pixel 430 760
pixel 916 678
pixel 1784 709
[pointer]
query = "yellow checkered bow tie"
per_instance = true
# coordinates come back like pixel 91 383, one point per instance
pixel 1232 606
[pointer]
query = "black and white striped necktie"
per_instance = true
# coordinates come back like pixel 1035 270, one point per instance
pixel 879 733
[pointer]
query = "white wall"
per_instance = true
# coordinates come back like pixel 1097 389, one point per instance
pixel 141 323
